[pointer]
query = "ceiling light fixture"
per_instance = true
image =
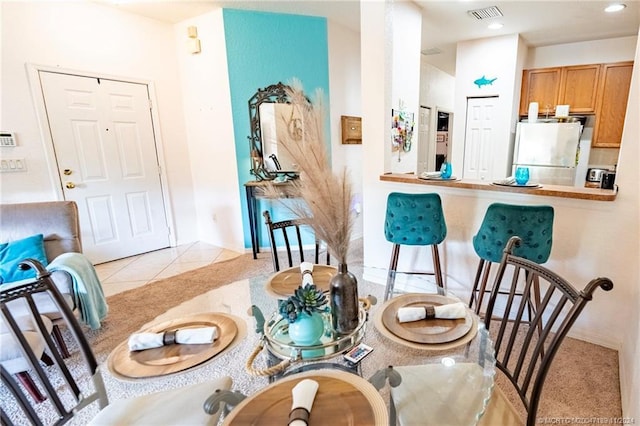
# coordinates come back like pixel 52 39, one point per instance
pixel 495 26
pixel 615 7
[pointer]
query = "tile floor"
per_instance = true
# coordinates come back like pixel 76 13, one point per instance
pixel 135 271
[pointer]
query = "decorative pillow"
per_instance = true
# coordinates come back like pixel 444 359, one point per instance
pixel 11 254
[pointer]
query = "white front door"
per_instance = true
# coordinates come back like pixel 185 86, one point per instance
pixel 479 138
pixel 105 150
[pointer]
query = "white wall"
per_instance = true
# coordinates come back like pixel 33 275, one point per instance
pixel 496 57
pixel 406 27
pixel 209 132
pixel 628 231
pixel 586 52
pixel 375 42
pixel 84 36
pixel 344 88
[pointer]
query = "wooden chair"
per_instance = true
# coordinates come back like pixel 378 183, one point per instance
pixel 524 350
pixel 290 231
pixel 71 389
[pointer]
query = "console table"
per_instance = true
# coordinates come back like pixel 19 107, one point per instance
pixel 255 190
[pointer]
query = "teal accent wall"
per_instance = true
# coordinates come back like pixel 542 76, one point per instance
pixel 264 49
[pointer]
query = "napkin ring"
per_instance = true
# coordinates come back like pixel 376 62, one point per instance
pixel 430 311
pixel 299 413
pixel 169 337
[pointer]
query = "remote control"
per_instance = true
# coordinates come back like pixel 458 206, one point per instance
pixel 356 354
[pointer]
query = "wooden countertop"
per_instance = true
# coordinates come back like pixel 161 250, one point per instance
pixel 594 194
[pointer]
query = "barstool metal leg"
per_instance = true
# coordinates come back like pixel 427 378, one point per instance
pixel 437 269
pixel 391 276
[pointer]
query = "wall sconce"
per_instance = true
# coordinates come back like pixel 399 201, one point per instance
pixel 193 43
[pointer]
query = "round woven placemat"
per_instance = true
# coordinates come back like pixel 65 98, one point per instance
pixel 377 321
pixel 171 359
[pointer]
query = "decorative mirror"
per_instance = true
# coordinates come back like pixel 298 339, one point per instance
pixel 271 114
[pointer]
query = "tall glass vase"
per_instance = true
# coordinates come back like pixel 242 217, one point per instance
pixel 344 300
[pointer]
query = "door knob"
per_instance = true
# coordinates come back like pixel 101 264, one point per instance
pixel 70 185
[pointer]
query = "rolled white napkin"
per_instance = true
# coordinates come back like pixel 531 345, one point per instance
pixel 306 269
pixel 417 313
pixel 188 336
pixel 303 395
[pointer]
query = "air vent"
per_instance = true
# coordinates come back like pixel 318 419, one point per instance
pixel 432 51
pixel 486 13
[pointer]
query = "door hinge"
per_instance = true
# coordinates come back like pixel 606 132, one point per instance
pixel 150 104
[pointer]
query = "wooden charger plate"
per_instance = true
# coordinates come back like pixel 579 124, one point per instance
pixel 342 399
pixel 430 331
pixel 282 284
pixel 172 358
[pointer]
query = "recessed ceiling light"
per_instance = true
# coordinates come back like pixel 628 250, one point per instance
pixel 615 7
pixel 495 26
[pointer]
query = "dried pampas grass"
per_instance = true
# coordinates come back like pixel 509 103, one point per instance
pixel 322 198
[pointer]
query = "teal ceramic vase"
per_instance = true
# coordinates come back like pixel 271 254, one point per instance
pixel 307 329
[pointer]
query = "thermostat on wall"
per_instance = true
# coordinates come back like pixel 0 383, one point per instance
pixel 7 139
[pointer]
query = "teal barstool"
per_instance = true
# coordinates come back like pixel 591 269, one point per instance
pixel 414 220
pixel 533 224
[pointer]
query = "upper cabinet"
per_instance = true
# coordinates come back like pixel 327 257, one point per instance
pixel 542 86
pixel 575 86
pixel 600 89
pixel 612 104
pixel 579 88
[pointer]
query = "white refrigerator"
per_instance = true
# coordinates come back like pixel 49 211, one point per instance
pixel 553 152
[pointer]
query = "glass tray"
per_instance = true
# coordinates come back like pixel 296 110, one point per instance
pixel 278 342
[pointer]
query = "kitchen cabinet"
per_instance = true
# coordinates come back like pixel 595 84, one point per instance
pixel 611 107
pixel 575 86
pixel 579 88
pixel 542 86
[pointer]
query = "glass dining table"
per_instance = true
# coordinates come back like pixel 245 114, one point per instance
pixel 446 367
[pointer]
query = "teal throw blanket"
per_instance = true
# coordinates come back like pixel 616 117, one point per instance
pixel 87 290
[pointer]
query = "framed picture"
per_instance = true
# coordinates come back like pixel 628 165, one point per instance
pixel 351 130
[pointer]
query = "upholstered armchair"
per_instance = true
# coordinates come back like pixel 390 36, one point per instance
pixel 59 224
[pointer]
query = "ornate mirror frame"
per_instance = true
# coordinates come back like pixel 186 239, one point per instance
pixel 275 93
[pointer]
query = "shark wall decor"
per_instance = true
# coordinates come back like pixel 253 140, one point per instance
pixel 483 81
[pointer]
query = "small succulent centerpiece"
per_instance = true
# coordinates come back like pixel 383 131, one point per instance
pixel 303 310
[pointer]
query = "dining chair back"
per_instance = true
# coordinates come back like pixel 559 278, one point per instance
pixel 65 401
pixel 525 349
pixel 75 383
pixel 414 220
pixel 533 224
pixel 290 230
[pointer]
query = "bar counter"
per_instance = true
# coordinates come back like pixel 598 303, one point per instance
pixel 594 194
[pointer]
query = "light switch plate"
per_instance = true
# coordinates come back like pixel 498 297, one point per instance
pixel 8 165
